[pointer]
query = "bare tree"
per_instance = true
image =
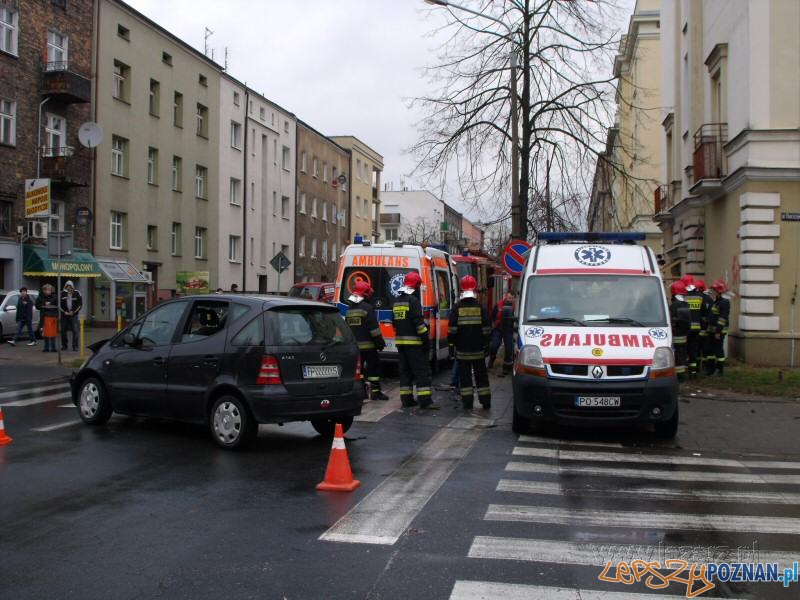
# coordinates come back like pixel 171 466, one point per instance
pixel 420 230
pixel 564 50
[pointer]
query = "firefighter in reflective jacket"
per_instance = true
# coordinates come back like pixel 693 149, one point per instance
pixel 720 313
pixel 694 299
pixel 705 319
pixel 469 333
pixel 681 321
pixel 364 325
pixel 413 345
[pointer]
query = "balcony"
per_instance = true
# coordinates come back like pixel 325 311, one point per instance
pixel 66 166
pixel 67 86
pixel 390 218
pixel 661 199
pixel 709 165
pixel 374 194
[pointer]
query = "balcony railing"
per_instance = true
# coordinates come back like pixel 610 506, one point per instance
pixel 64 84
pixel 390 218
pixel 66 166
pixel 661 200
pixel 709 156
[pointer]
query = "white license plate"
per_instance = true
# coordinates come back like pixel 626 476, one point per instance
pixel 320 371
pixel 598 401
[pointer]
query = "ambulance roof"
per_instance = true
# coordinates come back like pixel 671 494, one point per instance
pixel 391 248
pixel 591 258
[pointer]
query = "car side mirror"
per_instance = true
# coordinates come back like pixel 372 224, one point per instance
pixel 131 340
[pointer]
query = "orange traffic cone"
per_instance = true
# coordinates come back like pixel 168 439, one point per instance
pixel 338 476
pixel 4 438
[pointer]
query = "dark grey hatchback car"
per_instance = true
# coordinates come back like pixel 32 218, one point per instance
pixel 230 362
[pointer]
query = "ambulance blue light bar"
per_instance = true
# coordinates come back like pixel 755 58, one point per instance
pixel 613 237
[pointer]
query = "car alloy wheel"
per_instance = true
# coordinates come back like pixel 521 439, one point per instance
pixel 228 421
pixel 90 399
pixel 94 405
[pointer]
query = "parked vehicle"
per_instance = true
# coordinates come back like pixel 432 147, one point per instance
pixel 595 342
pixel 227 362
pixel 487 273
pixel 323 292
pixel 383 267
pixel 8 313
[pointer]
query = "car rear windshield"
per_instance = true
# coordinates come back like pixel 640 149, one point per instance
pixel 615 300
pixel 307 292
pixel 384 280
pixel 307 327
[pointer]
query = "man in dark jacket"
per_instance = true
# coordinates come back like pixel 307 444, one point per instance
pixel 469 332
pixel 413 345
pixel 364 325
pixel 24 317
pixel 71 303
pixel 503 332
pixel 720 314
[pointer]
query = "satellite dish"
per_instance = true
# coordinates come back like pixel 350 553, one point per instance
pixel 90 134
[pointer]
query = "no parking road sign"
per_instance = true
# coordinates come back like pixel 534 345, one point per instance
pixel 514 256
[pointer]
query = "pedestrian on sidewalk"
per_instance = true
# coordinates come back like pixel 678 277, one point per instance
pixel 468 332
pixel 71 303
pixel 24 317
pixel 47 305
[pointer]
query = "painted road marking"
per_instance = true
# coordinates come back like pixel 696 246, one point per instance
pixel 19 392
pixel 644 520
pixel 388 510
pixel 596 555
pixel 491 590
pixel 553 488
pixel 589 455
pixel 39 400
pixel 58 426
pixel 534 439
pixel 374 410
pixel 68 405
pixel 661 475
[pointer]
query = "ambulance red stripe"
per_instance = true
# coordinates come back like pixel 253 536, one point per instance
pixel 599 361
pixel 592 271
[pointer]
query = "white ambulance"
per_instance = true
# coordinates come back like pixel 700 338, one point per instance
pixel 595 342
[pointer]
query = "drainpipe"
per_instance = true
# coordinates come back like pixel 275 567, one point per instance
pixel 245 185
pixel 39 137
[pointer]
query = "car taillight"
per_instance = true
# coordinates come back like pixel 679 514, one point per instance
pixel 358 368
pixel 270 372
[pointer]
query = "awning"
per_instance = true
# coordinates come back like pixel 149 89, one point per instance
pixel 36 263
pixel 122 270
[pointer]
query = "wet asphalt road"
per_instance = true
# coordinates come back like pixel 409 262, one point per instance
pixel 460 506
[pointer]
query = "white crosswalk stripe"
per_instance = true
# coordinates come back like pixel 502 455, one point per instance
pixel 37 400
pixel 19 392
pixel 561 491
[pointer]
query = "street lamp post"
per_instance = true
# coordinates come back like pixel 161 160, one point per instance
pixel 516 213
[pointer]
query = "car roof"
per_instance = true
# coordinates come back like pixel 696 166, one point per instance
pixel 591 258
pixel 268 301
pixel 312 284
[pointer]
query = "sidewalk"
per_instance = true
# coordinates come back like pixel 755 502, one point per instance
pixel 23 364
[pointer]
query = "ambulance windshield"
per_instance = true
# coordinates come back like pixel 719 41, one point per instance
pixel 601 300
pixel 385 281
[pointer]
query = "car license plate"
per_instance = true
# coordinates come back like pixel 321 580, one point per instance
pixel 320 371
pixel 598 401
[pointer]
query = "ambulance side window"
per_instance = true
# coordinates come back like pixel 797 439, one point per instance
pixel 443 290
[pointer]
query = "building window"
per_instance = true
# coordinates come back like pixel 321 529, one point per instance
pixel 275 151
pixel 301 246
pixel 155 97
pixel 152 166
pixel 122 74
pixel 166 58
pixel 236 186
pixel 236 99
pixel 313 247
pixel 202 120
pixel 202 80
pixel 358 206
pixel 333 252
pixel 366 209
pixel 234 252
pixel 324 251
pixel 252 249
pixel 334 210
pixel 152 237
pixel 358 169
pixel 9 30
pixel 177 173
pixel 200 182
pixel 262 114
pixel 117 230
pixel 57 51
pixel 324 211
pixel 175 240
pixel 236 135
pixel 303 161
pixel 324 171
pixel 302 207
pixel 119 156
pixel 390 234
pixel 177 109
pixel 274 204
pixel 314 167
pixel 314 208
pixel 334 174
pixel 200 242
pixel 55 134
pixel 343 220
pixel 124 32
pixel 285 207
pixel 286 157
pixel 8 122
pixel 5 218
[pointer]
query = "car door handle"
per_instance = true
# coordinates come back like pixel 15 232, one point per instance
pixel 210 361
pixel 158 361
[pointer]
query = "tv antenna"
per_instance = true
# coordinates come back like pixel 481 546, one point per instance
pixel 208 33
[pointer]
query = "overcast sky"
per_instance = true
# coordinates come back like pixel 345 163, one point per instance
pixel 343 66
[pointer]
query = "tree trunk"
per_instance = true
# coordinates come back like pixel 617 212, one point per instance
pixel 527 125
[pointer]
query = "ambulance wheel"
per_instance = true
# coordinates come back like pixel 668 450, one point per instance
pixel 668 429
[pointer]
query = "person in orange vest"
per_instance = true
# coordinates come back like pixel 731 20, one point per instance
pixel 47 305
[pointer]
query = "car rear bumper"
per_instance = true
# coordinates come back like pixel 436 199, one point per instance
pixel 556 400
pixel 273 404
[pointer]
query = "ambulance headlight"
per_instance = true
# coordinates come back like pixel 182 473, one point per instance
pixel 663 359
pixel 531 357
